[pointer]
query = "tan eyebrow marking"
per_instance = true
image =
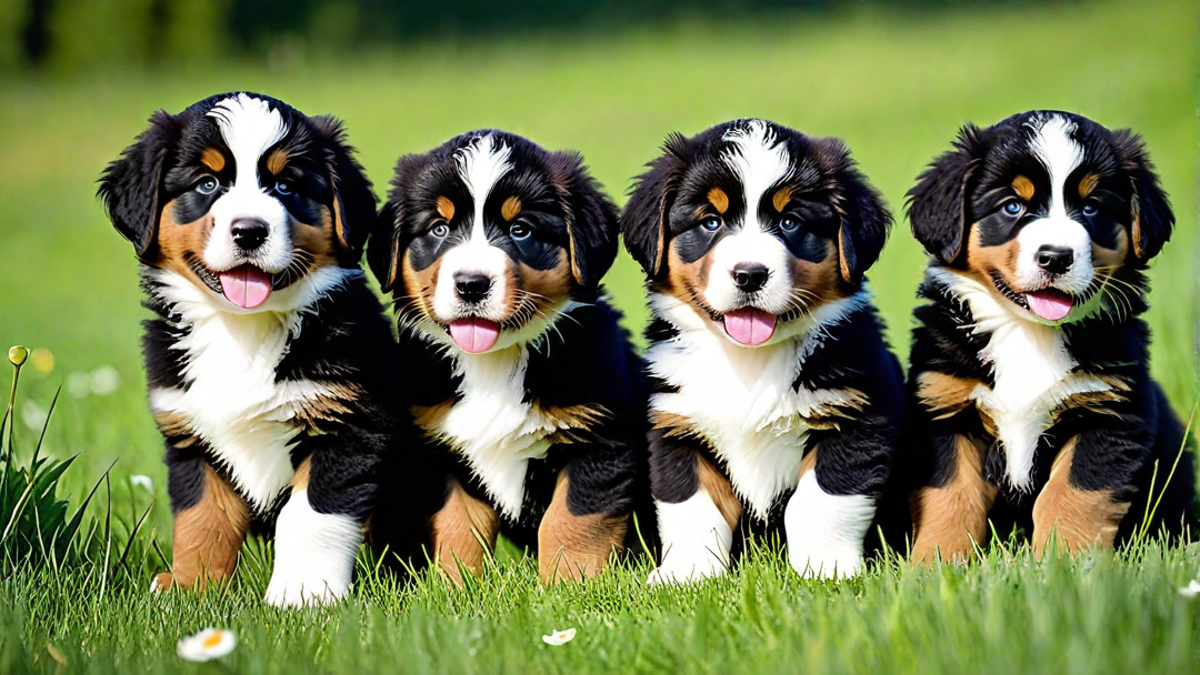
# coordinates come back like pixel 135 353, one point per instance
pixel 213 159
pixel 445 208
pixel 511 208
pixel 1088 184
pixel 1024 187
pixel 718 199
pixel 277 160
pixel 782 196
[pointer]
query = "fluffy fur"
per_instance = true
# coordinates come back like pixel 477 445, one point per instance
pixel 1031 398
pixel 266 357
pixel 493 249
pixel 776 403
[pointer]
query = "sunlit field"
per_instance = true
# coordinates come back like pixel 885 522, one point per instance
pixel 896 88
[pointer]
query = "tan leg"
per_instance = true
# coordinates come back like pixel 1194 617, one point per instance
pixel 464 532
pixel 208 536
pixel 1077 519
pixel 721 491
pixel 575 547
pixel 951 518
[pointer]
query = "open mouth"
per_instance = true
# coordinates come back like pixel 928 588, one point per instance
pixel 473 334
pixel 1050 304
pixel 749 326
pixel 245 286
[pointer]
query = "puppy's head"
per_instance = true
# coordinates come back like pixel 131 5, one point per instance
pixel 753 225
pixel 242 196
pixel 485 240
pixel 1046 209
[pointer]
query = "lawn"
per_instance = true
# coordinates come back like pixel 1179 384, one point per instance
pixel 895 87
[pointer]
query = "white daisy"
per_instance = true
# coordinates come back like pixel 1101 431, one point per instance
pixel 142 481
pixel 1191 589
pixel 105 380
pixel 208 644
pixel 559 637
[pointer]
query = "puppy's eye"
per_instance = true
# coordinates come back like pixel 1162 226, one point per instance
pixel 1090 209
pixel 519 231
pixel 711 223
pixel 789 224
pixel 207 185
pixel 283 188
pixel 441 230
pixel 1014 208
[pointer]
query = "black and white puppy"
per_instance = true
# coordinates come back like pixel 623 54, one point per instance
pixel 264 358
pixel 776 401
pixel 1031 396
pixel 493 249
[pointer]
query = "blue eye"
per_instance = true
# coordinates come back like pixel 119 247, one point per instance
pixel 712 223
pixel 1013 208
pixel 1090 209
pixel 441 230
pixel 789 224
pixel 207 185
pixel 283 188
pixel 519 231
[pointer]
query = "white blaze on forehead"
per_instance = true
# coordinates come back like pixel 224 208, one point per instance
pixel 250 127
pixel 760 160
pixel 481 165
pixel 1059 154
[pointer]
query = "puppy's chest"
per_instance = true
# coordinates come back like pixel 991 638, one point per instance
pixel 231 399
pixel 493 426
pixel 1035 377
pixel 743 403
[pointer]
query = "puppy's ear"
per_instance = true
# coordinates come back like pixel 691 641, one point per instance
pixel 1151 219
pixel 131 186
pixel 591 219
pixel 937 205
pixel 644 220
pixel 865 219
pixel 388 241
pixel 353 199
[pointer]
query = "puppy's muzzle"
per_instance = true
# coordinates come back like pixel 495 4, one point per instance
pixel 472 287
pixel 1055 260
pixel 750 277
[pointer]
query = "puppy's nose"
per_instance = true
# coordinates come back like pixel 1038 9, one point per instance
pixel 472 286
pixel 249 233
pixel 749 277
pixel 1055 259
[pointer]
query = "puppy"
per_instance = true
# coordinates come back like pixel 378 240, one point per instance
pixel 1032 400
pixel 776 402
pixel 263 359
pixel 493 249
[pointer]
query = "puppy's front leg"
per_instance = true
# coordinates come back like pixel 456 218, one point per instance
pixel 316 539
pixel 1088 492
pixel 697 510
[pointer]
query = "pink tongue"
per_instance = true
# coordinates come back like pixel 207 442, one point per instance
pixel 1049 304
pixel 246 286
pixel 749 326
pixel 473 335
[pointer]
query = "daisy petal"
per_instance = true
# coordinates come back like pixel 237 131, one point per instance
pixel 208 644
pixel 1191 589
pixel 559 637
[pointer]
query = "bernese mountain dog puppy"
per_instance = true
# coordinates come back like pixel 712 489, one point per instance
pixel 1032 402
pixel 264 359
pixel 493 250
pixel 775 401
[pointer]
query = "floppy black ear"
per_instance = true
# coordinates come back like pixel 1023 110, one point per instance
pixel 1152 220
pixel 864 229
pixel 937 205
pixel 644 219
pixel 385 245
pixel 131 185
pixel 591 219
pixel 353 199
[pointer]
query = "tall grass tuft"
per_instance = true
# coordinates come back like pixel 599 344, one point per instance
pixel 35 529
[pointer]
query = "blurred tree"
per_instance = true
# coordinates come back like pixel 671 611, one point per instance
pixel 101 32
pixel 194 30
pixel 13 19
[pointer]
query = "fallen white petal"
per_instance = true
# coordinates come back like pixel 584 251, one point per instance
pixel 208 644
pixel 138 480
pixel 559 637
pixel 1191 589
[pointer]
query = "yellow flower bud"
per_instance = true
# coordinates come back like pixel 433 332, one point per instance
pixel 17 355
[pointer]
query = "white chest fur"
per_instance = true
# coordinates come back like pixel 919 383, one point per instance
pixel 1033 373
pixel 493 427
pixel 231 399
pixel 741 399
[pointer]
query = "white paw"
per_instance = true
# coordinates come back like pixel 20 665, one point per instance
pixel 295 594
pixel 685 573
pixel 826 565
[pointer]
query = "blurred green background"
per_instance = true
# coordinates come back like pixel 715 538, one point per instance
pixel 896 80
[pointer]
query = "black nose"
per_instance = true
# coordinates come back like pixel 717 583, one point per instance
pixel 472 286
pixel 1055 259
pixel 749 277
pixel 249 233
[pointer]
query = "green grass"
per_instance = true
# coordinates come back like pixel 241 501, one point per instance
pixel 896 88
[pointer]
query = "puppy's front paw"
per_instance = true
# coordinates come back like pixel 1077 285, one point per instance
pixel 669 573
pixel 295 593
pixel 826 565
pixel 161 583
